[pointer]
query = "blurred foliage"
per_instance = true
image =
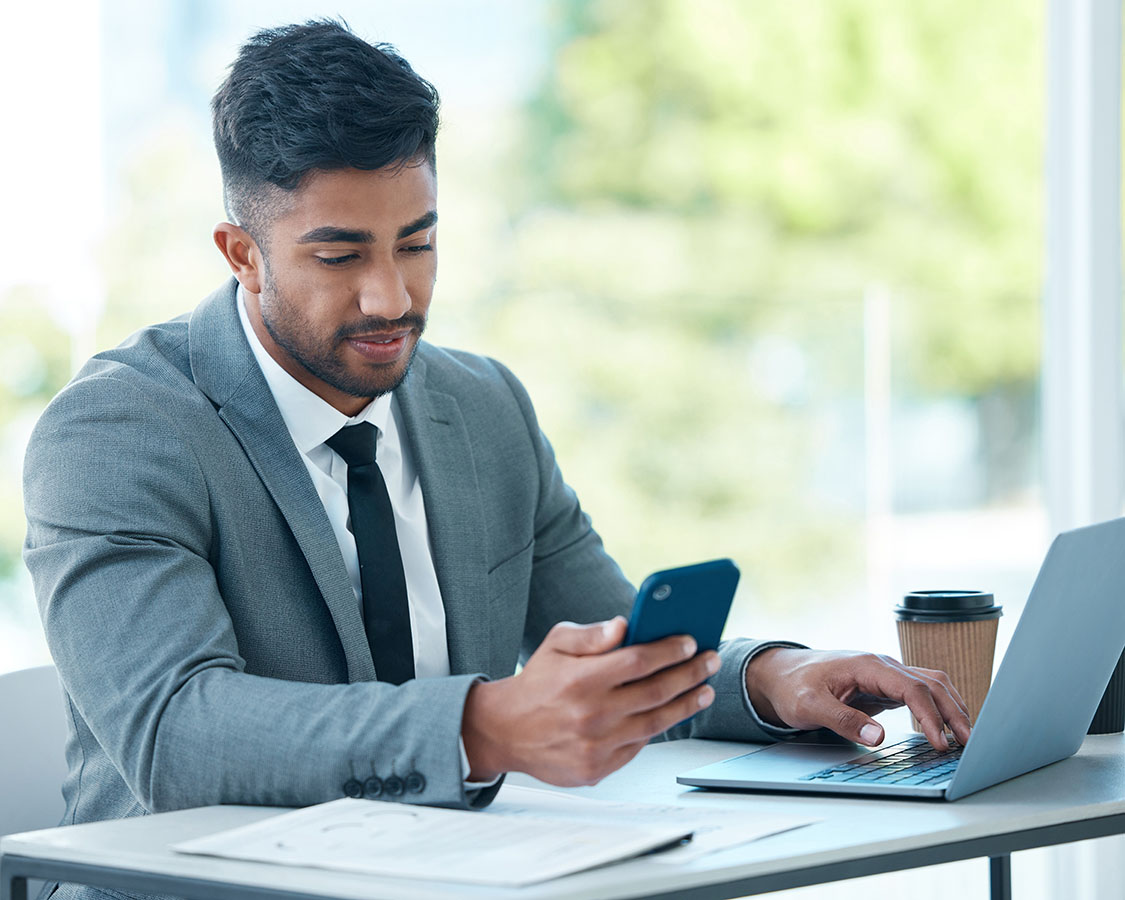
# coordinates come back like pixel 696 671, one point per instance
pixel 705 193
pixel 159 260
pixel 36 363
pixel 808 150
pixel 671 244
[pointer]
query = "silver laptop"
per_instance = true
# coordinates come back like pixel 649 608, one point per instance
pixel 1042 700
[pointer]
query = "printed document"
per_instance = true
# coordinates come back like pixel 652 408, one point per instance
pixel 713 828
pixel 527 835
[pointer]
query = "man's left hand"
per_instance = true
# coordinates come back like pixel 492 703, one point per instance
pixel 841 690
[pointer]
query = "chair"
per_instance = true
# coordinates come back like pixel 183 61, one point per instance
pixel 32 762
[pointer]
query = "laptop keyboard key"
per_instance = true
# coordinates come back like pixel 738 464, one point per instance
pixel 913 762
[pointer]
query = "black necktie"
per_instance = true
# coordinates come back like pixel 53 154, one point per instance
pixel 386 614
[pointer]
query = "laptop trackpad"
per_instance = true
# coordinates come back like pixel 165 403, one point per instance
pixel 801 755
pixel 796 758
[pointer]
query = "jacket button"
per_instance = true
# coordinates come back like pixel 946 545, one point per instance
pixel 353 789
pixel 393 786
pixel 373 787
pixel 415 783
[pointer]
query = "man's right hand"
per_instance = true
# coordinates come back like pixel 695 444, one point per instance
pixel 583 706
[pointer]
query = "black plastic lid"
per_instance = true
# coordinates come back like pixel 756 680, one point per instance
pixel 947 606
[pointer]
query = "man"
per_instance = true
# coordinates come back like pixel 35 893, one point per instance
pixel 286 551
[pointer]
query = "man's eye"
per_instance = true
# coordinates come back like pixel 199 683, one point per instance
pixel 336 260
pixel 420 248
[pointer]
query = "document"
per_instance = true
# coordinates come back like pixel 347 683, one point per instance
pixel 527 835
pixel 381 838
pixel 713 828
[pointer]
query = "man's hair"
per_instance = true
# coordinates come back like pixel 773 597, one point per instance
pixel 314 97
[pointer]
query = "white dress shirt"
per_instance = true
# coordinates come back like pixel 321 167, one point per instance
pixel 311 421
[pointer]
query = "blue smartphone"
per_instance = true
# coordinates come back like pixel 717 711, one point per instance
pixel 691 600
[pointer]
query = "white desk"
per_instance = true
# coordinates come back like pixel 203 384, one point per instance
pixel 1082 797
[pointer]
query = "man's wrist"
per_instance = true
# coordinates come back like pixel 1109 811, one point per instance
pixel 482 731
pixel 759 684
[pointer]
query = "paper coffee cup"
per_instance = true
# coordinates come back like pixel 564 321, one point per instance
pixel 954 631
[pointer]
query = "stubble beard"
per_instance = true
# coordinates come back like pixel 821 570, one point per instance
pixel 287 327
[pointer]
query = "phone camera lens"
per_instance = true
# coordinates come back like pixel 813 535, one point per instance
pixel 662 592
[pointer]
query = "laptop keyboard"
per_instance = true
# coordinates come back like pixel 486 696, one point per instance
pixel 910 762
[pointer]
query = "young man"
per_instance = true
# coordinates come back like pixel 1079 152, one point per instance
pixel 286 551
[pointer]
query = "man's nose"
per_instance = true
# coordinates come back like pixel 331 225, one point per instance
pixel 383 294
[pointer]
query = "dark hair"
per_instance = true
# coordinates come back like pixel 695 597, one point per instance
pixel 314 96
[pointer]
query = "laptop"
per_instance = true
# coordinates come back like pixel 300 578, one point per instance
pixel 1058 663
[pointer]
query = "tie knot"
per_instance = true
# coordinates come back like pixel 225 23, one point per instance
pixel 355 443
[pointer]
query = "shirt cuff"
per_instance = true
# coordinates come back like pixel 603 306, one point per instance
pixel 774 731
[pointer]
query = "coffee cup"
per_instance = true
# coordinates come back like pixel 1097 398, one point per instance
pixel 954 631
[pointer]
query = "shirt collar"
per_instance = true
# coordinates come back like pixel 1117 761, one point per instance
pixel 311 420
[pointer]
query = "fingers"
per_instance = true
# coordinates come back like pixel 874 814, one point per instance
pixel 825 710
pixel 642 660
pixel 665 685
pixel 949 703
pixel 640 709
pixel 646 725
pixel 600 744
pixel 839 690
pixel 582 705
pixel 928 694
pixel 586 640
pixel 624 664
pixel 921 701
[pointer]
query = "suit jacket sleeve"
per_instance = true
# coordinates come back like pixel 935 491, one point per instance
pixel 122 548
pixel 573 578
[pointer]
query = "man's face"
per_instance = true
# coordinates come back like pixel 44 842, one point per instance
pixel 349 271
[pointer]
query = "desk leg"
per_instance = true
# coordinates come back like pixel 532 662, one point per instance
pixel 13 887
pixel 1000 877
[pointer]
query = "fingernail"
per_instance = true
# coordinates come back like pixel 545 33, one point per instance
pixel 607 628
pixel 689 647
pixel 706 696
pixel 869 734
pixel 713 664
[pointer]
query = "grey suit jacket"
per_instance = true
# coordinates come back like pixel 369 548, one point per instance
pixel 198 609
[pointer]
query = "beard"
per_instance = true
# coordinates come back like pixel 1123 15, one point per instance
pixel 323 357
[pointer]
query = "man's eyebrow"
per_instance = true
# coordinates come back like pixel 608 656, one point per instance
pixel 330 234
pixel 418 224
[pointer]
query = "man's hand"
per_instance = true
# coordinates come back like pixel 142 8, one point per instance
pixel 842 690
pixel 580 708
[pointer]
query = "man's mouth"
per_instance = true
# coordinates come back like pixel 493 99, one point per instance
pixel 381 347
pixel 382 337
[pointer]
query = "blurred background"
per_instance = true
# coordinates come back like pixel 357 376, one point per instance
pixel 772 272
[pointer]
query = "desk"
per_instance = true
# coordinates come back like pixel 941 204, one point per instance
pixel 1082 797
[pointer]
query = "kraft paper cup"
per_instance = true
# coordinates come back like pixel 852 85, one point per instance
pixel 954 631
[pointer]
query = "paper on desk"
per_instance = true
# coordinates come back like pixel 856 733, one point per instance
pixel 714 828
pixel 380 838
pixel 526 835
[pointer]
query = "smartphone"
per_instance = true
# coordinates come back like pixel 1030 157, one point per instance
pixel 691 600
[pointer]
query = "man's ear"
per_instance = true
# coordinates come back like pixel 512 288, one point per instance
pixel 242 255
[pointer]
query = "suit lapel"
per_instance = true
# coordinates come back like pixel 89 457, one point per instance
pixel 443 456
pixel 224 368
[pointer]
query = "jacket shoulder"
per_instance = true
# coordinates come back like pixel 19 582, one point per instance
pixel 445 366
pixel 482 385
pixel 147 377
